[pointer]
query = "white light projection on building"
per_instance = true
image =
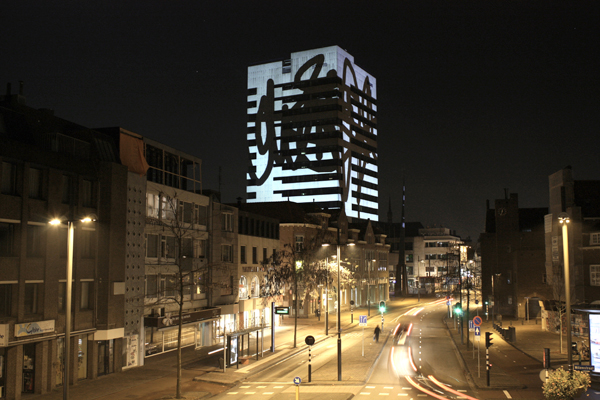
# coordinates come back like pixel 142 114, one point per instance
pixel 312 132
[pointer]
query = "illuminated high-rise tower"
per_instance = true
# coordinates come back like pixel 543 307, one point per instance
pixel 312 132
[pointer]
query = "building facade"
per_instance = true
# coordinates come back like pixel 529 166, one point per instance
pixel 312 132
pixel 512 259
pixel 580 200
pixel 54 169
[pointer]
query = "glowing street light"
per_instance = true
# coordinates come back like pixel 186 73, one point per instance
pixel 564 219
pixel 67 348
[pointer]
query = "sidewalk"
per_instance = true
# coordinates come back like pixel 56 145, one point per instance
pixel 516 365
pixel 203 377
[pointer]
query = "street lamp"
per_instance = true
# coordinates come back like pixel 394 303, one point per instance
pixel 339 291
pixel 67 348
pixel 563 219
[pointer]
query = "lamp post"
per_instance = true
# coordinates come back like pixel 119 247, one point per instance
pixel 69 289
pixel 339 325
pixel 563 219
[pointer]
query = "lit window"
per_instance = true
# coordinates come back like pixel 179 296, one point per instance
pixel 594 275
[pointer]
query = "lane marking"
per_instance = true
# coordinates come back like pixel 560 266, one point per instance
pixel 508 396
pixel 268 392
pixel 261 387
pixel 384 394
pixel 370 387
pixel 402 394
pixel 244 387
pixel 232 393
pixel 250 393
pixel 365 393
pixel 388 387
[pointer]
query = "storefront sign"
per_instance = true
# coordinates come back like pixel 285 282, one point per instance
pixel 3 337
pixel 34 328
pixel 172 318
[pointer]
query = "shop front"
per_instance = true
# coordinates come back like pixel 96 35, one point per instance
pixel 161 331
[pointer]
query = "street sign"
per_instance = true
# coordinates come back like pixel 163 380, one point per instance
pixel 583 367
pixel 297 380
pixel 470 325
pixel 477 320
pixel 362 320
pixel 282 310
pixel 478 333
pixel 449 303
pixel 309 340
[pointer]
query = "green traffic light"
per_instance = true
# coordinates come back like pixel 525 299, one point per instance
pixel 382 309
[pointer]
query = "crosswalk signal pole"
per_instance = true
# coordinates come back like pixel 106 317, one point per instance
pixel 309 364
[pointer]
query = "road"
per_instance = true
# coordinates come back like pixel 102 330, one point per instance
pixel 414 331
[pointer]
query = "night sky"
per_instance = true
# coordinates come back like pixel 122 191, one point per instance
pixel 473 97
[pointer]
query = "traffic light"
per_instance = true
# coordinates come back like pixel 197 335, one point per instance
pixel 458 309
pixel 488 340
pixel 382 306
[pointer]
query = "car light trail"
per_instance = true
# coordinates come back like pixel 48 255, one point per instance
pixel 396 330
pixel 440 384
pixel 418 310
pixel 422 389
pixel 412 364
pixel 409 330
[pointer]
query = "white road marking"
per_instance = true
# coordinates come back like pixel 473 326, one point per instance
pixel 402 394
pixel 388 387
pixel 459 390
pixel 370 387
pixel 268 392
pixel 232 393
pixel 508 396
pixel 250 393
pixel 408 388
pixel 244 387
pixel 384 394
pixel 261 387
pixel 365 393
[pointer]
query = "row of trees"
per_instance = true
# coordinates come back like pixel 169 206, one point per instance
pixel 300 270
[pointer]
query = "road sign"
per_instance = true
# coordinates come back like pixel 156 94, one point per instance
pixel 362 320
pixel 477 320
pixel 449 303
pixel 297 380
pixel 309 340
pixel 470 325
pixel 583 367
pixel 478 333
pixel 282 310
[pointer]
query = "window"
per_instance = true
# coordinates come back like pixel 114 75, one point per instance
pixel 152 246
pixel 168 247
pixel 254 287
pixel 34 240
pixel 200 248
pixel 227 222
pixel 5 300
pixel 187 247
pixel 409 258
pixel 168 208
pixel 185 212
pixel 594 239
pixel 254 255
pixel 226 253
pixel 243 254
pixel 87 199
pixel 86 295
pixel 168 286
pixel 265 254
pixel 7 239
pixel 33 298
pixel 35 183
pixel 152 205
pixel 9 178
pixel 151 285
pixel 594 275
pixel 243 287
pixel 299 243
pixel 409 271
pixel 67 189
pixel 200 215
pixel 88 244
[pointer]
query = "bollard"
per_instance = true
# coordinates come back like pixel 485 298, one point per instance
pixel 351 318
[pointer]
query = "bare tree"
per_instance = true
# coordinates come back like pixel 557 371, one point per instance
pixel 183 274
